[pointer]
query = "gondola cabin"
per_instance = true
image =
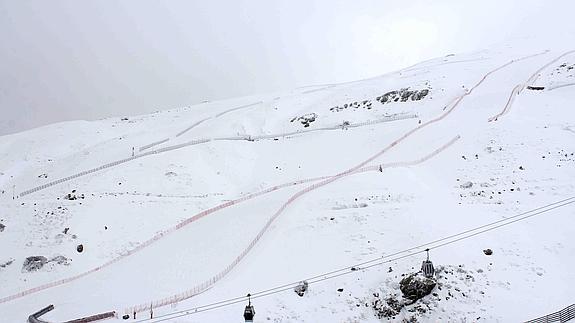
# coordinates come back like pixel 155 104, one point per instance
pixel 249 311
pixel 427 267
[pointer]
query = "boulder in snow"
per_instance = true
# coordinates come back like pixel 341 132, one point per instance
pixel 301 288
pixel 416 286
pixel 33 263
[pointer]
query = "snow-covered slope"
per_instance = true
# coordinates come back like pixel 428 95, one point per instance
pixel 237 196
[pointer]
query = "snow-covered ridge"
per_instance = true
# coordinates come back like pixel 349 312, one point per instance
pixel 199 203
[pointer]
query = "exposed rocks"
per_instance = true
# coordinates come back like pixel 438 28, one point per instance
pixel 80 248
pixel 7 263
pixel 416 286
pixel 34 263
pixel 61 260
pixel 305 119
pixel 466 185
pixel 73 196
pixel 488 252
pixel 403 95
pixel 387 308
pixel 301 288
pixel 2 227
pixel 450 283
pixel 365 104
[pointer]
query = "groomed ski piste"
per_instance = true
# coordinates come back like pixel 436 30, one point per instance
pixel 188 210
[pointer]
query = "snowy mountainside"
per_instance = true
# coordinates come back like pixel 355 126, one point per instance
pixel 182 209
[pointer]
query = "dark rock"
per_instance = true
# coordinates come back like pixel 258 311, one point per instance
pixel 340 290
pixel 416 286
pixel 488 252
pixel 466 185
pixel 403 95
pixel 301 288
pixel 34 263
pixel 388 308
pixel 60 260
pixel 7 263
pixel 80 248
pixel 2 227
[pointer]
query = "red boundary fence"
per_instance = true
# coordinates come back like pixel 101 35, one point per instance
pixel 520 87
pixel 204 140
pixel 325 180
pixel 211 281
pixel 205 285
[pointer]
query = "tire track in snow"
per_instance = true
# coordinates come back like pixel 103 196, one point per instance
pixel 207 284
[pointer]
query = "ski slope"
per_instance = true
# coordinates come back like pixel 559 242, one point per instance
pixel 242 195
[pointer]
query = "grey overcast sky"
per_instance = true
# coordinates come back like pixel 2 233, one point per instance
pixel 67 60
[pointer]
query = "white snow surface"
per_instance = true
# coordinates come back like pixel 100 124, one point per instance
pixel 523 160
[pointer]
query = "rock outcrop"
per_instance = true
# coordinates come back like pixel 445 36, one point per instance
pixel 416 286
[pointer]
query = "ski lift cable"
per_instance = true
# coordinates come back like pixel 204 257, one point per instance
pixel 242 299
pixel 346 270
pixel 377 261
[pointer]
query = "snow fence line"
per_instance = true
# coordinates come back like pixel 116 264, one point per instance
pixel 564 315
pixel 159 142
pixel 211 281
pixel 317 90
pixel 216 116
pixel 558 86
pixel 530 81
pixel 452 105
pixel 204 140
pixel 157 237
pixel 148 146
pixel 449 108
